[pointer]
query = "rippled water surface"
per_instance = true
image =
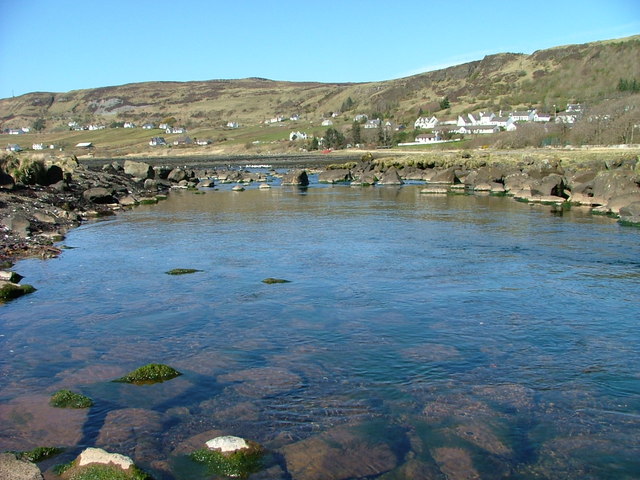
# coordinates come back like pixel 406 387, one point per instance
pixel 419 336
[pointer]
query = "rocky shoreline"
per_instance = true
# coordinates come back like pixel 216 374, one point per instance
pixel 40 200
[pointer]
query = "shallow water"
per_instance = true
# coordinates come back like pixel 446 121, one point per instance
pixel 458 335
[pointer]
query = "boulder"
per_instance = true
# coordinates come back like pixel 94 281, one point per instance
pixel 550 185
pixel 161 172
pixel 53 174
pixel 18 224
pixel 6 181
pixel 296 177
pixel 517 182
pixel 206 183
pixel 151 185
pixel 365 178
pixel 177 175
pixel 615 204
pixel 609 184
pixel 445 176
pixel 99 195
pixel 390 177
pixel 227 443
pixel 13 469
pixel 139 170
pixel 630 214
pixel 335 176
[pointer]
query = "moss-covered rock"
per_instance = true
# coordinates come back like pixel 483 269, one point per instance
pixel 100 472
pixel 182 271
pixel 39 454
pixel 10 291
pixel 151 373
pixel 271 280
pixel 237 464
pixel 69 399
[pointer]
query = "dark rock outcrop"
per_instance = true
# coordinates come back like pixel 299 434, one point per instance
pixel 296 177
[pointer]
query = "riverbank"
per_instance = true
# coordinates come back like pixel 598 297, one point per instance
pixel 41 198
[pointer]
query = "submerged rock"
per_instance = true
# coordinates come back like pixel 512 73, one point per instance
pixel 271 280
pixel 341 453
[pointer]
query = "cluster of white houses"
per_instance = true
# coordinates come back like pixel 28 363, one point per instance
pixel 488 122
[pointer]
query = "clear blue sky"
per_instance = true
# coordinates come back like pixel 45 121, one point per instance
pixel 62 45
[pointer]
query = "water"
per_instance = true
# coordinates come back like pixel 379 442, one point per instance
pixel 419 336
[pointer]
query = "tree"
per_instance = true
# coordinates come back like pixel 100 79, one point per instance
pixel 355 133
pixel 347 104
pixel 444 103
pixel 333 138
pixel 39 124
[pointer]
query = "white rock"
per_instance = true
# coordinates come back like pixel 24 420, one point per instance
pixel 227 443
pixel 98 455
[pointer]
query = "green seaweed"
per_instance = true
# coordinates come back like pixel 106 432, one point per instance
pixel 182 271
pixel 151 373
pixel 104 472
pixel 69 399
pixel 238 464
pixel 39 454
pixel 10 291
pixel 271 280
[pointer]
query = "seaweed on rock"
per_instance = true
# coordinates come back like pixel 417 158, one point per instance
pixel 238 464
pixel 69 399
pixel 151 373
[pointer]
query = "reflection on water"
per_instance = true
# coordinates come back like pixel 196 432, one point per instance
pixel 420 336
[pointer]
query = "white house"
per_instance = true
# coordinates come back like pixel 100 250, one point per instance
pixel 297 136
pixel 374 123
pixel 426 122
pixel 157 141
pixel 295 117
pixel 203 143
pixel 38 146
pixel 428 138
pixel 361 117
pixel 232 125
pixel 574 107
pixel 84 145
pixel 508 123
pixel 478 129
pixel 327 123
pixel 178 130
pixel 523 116
pixel 566 117
pixel 129 125
pixel 486 118
pixel 542 117
pixel 466 120
pixel 148 126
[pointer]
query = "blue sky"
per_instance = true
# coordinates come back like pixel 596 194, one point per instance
pixel 61 45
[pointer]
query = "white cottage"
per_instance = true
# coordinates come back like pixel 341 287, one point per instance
pixel 426 122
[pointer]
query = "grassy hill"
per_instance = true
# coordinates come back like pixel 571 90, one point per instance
pixel 587 73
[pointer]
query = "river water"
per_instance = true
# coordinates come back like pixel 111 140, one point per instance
pixel 419 336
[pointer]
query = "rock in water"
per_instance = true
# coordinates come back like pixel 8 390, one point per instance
pixel 13 469
pixel 296 177
pixel 227 443
pixel 98 455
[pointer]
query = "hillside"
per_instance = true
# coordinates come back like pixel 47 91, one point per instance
pixel 587 73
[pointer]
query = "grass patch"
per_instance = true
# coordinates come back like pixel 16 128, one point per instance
pixel 69 399
pixel 151 373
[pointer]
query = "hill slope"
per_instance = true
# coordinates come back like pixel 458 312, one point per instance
pixel 575 73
